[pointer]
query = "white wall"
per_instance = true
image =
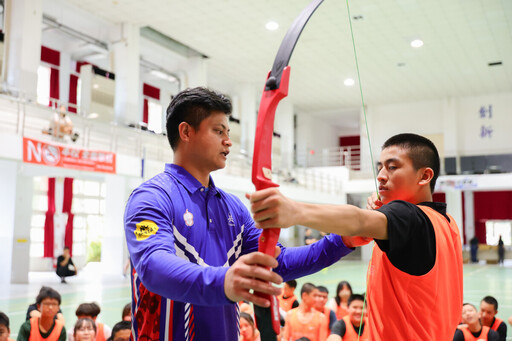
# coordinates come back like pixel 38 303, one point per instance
pixel 457 120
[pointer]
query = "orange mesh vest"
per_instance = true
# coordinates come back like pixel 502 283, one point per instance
pixel 100 332
pixel 310 330
pixel 496 324
pixel 351 333
pixel 286 303
pixel 469 337
pixel 35 334
pixel 341 312
pixel 427 307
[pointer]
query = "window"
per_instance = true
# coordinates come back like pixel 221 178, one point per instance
pixel 496 228
pixel 154 116
pixel 43 84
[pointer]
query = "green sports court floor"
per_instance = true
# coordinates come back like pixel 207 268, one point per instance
pixel 113 292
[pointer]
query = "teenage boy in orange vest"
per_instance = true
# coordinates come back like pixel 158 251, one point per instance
pixel 349 327
pixel 306 321
pixel 321 298
pixel 472 329
pixel 488 311
pixel 416 264
pixel 287 299
pixel 45 327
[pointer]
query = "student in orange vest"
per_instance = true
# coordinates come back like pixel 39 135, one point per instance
pixel 349 327
pixel 5 331
pixel 45 327
pixel 305 321
pixel 322 295
pixel 472 329
pixel 339 303
pixel 488 311
pixel 416 264
pixel 288 300
pixel 92 310
pixel 85 330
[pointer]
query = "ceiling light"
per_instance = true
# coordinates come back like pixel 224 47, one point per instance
pixel 95 86
pixel 162 75
pixel 271 26
pixel 92 115
pixel 349 82
pixel 417 43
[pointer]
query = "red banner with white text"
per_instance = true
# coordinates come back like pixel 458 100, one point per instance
pixel 57 155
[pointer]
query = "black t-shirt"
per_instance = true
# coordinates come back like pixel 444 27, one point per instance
pixel 491 336
pixel 339 328
pixel 411 243
pixel 502 330
pixel 60 259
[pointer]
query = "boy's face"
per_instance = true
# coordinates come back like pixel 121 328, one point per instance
pixel 4 333
pixel 398 180
pixel 209 144
pixel 487 313
pixel 469 314
pixel 320 299
pixel 49 307
pixel 355 311
pixel 287 290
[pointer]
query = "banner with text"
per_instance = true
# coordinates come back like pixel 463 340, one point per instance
pixel 56 155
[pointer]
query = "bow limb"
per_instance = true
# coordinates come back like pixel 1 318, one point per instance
pixel 276 88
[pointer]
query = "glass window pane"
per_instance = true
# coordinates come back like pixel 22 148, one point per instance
pixel 91 206
pixel 40 202
pixel 36 250
pixel 36 235
pixel 155 116
pixel 91 188
pixel 43 85
pixel 37 220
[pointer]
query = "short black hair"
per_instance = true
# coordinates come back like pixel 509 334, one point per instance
pixel 193 106
pixel 421 151
pixel 292 283
pixel 491 300
pixel 307 288
pixel 321 288
pixel 83 321
pixel 88 309
pixel 4 320
pixel 355 297
pixel 47 292
pixel 120 326
pixel 66 247
pixel 127 310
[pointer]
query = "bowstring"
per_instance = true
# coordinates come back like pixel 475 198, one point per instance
pixel 369 145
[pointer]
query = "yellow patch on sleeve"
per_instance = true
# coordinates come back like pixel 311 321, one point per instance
pixel 145 229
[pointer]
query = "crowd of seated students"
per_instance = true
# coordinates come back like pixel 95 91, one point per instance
pixel 312 319
pixel 45 321
pixel 344 317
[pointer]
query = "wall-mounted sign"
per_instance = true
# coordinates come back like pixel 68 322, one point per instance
pixel 56 155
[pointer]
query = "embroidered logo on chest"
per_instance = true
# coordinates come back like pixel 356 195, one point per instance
pixel 231 221
pixel 188 218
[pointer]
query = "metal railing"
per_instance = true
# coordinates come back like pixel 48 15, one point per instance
pixel 25 117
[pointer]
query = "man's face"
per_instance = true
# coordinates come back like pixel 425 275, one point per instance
pixel 487 313
pixel 398 180
pixel 320 299
pixel 287 290
pixel 209 144
pixel 66 253
pixel 49 307
pixel 4 333
pixel 469 314
pixel 355 311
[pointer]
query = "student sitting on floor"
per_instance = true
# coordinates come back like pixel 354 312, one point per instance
pixel 46 326
pixel 488 311
pixel 91 311
pixel 472 328
pixel 5 331
pixel 350 326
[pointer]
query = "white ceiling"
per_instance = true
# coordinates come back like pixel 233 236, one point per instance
pixel 461 37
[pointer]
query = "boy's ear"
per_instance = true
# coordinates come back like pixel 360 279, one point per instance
pixel 426 176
